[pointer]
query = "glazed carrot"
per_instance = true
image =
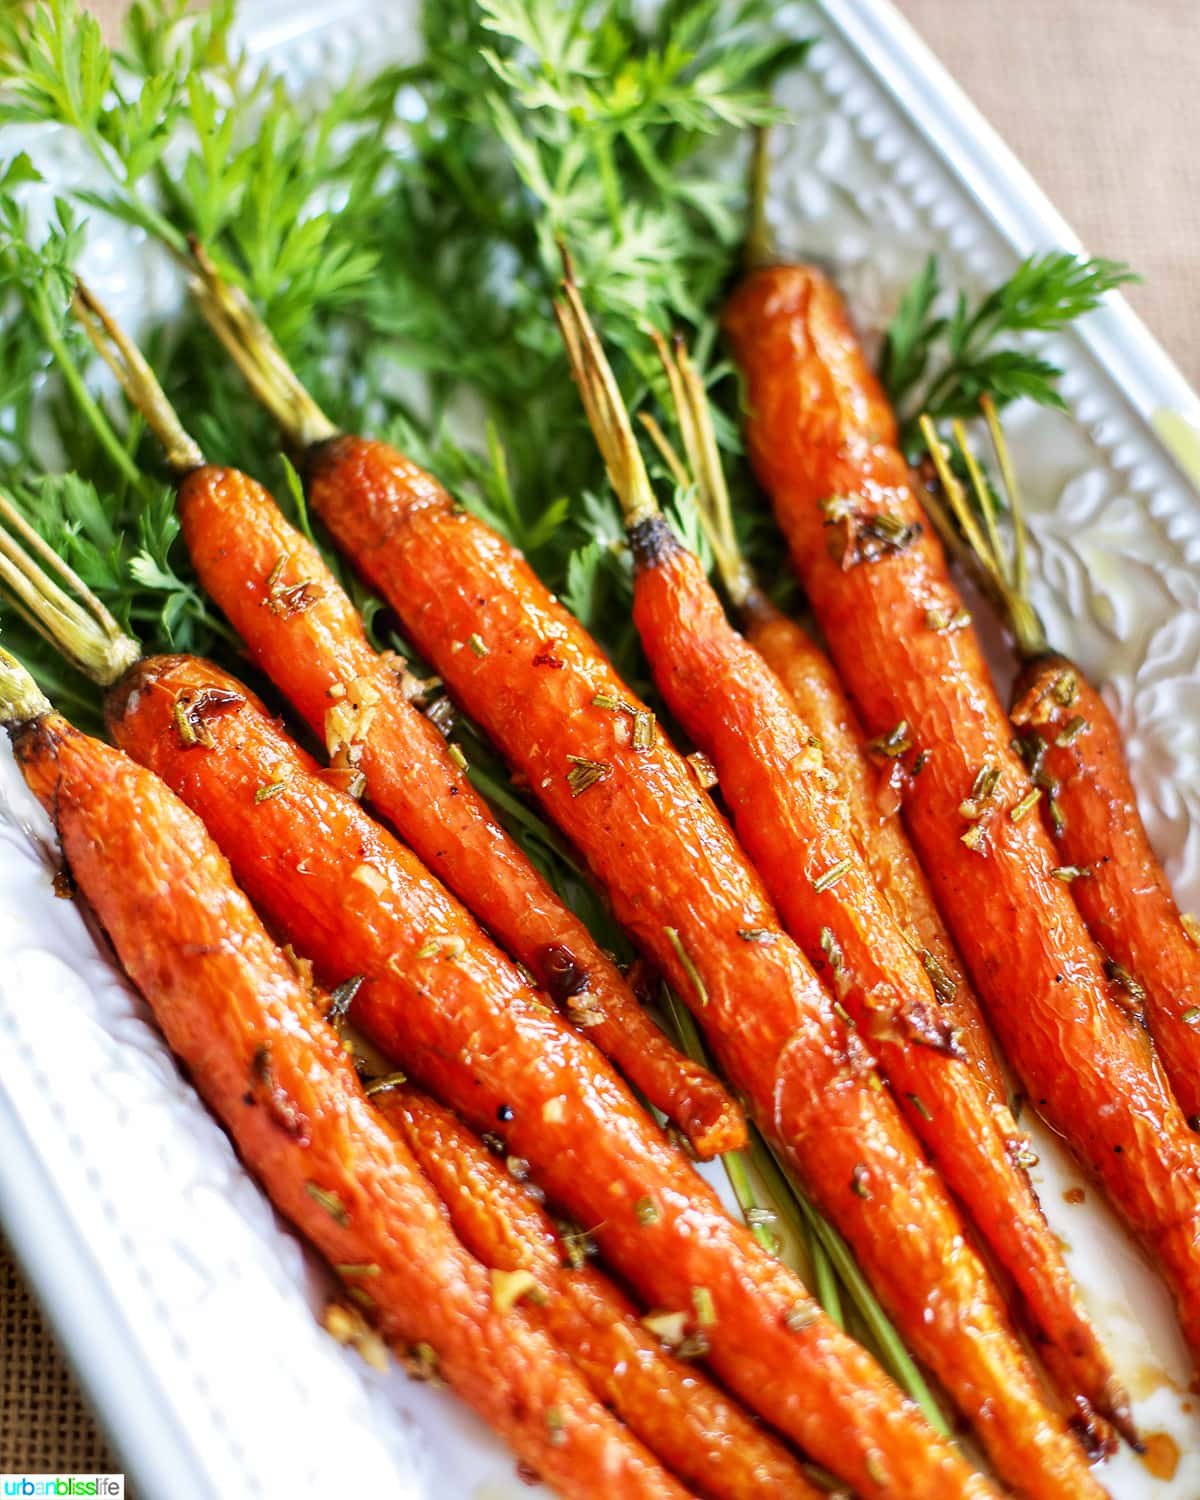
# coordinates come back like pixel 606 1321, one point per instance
pixel 795 826
pixel 703 1436
pixel 823 443
pixel 235 1012
pixel 435 994
pixel 1072 746
pixel 1105 852
pixel 445 1003
pixel 872 797
pixel 301 629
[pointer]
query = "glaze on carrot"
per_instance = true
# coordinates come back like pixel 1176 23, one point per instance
pixel 438 997
pixel 873 799
pixel 794 823
pixel 234 1011
pixel 823 443
pixel 1105 853
pixel 698 1432
pixel 302 630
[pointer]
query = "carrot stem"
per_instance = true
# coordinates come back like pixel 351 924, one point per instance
pixel 251 346
pixel 137 380
pixel 21 700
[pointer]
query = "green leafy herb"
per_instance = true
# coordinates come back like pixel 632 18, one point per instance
pixel 941 363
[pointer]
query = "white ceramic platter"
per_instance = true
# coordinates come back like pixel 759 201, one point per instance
pixel 185 1305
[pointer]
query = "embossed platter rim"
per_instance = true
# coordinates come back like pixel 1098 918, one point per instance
pixel 180 1440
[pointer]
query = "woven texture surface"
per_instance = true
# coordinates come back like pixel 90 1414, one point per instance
pixel 1097 98
pixel 45 1425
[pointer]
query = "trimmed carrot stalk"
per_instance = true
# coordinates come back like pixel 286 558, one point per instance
pixel 302 630
pixel 823 443
pixel 698 1431
pixel 873 798
pixel 234 1011
pixel 795 825
pixel 445 1003
pixel 1105 854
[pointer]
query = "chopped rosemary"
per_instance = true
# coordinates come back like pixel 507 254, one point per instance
pixel 330 1202
pixel 647 1211
pixel 456 755
pixel 842 1013
pixel 858 1181
pixel 1071 730
pixel 342 998
pixel 668 1327
pixel 387 1081
pixel 608 703
pixel 586 773
pixel 981 792
pixel 920 761
pixel 556 1426
pixel 423 1364
pixel 939 620
pixel 367 1269
pixel 288 598
pixel 832 875
pixel 272 789
pixel 706 1308
pixel 1067 873
pixel 1065 687
pixel 440 714
pixel 1191 927
pixel 685 959
pixel 357 785
pixel 442 944
pixel 643 729
pixel 475 642
pixel 1057 816
pixel 974 836
pixel 1124 980
pixel 919 1105
pixel 703 770
pixel 832 950
pixel 1026 805
pixel 1191 1015
pixel 508 1287
pixel 893 744
pixel 944 986
pixel 756 935
pixel 801 1315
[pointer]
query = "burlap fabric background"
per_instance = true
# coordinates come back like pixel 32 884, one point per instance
pixel 1098 98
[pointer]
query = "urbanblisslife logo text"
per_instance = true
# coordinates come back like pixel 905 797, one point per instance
pixel 103 1486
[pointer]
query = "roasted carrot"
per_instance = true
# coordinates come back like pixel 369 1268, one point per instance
pixel 446 1004
pixel 435 994
pixel 236 1013
pixel 795 825
pixel 1072 747
pixel 702 1435
pixel 301 628
pixel 823 443
pixel 1150 950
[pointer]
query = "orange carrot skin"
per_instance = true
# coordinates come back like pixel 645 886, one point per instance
pixel 796 828
pixel 457 1015
pixel 873 799
pixel 819 427
pixel 675 876
pixel 1126 899
pixel 700 1434
pixel 873 795
pixel 235 1012
pixel 302 630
